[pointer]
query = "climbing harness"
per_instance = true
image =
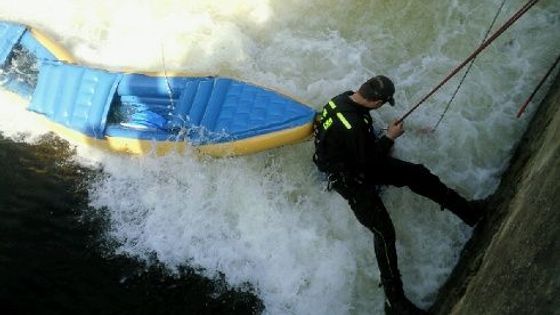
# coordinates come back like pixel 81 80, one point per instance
pixel 469 67
pixel 473 55
pixel 530 98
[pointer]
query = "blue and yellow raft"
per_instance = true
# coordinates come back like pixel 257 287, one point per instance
pixel 143 113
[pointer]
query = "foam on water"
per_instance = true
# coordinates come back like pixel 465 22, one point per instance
pixel 265 219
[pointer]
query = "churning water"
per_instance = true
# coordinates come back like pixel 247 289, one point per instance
pixel 265 219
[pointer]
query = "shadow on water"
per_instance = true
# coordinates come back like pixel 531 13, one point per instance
pixel 52 257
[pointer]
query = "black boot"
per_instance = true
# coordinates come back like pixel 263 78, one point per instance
pixel 404 307
pixel 396 302
pixel 471 212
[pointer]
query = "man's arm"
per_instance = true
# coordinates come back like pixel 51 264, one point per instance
pixel 384 144
pixel 395 130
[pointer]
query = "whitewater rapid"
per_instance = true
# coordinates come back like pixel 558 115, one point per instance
pixel 266 219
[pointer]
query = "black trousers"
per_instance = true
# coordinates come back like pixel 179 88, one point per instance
pixel 369 209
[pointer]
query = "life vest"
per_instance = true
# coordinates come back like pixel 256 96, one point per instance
pixel 322 125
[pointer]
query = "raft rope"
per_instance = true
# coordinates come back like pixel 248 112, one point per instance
pixel 468 68
pixel 169 91
pixel 477 51
pixel 530 98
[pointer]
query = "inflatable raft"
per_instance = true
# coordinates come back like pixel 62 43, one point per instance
pixel 143 113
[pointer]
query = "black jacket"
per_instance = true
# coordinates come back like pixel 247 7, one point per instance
pixel 351 152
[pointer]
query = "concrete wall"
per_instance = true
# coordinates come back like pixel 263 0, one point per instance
pixel 512 263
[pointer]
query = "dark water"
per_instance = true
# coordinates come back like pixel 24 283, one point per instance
pixel 53 257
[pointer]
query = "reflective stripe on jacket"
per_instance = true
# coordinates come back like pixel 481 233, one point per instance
pixel 345 141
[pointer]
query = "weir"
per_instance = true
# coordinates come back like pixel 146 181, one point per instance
pixel 510 265
pixel 226 215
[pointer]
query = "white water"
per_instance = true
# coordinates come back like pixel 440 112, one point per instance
pixel 265 219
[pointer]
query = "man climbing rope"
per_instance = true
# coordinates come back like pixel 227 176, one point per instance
pixel 357 162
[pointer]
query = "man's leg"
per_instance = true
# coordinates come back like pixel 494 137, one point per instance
pixel 371 212
pixel 421 181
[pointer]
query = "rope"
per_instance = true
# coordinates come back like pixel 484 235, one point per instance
pixel 469 67
pixel 486 43
pixel 530 98
pixel 169 91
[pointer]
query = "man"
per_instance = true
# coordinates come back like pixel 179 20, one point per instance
pixel 357 162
